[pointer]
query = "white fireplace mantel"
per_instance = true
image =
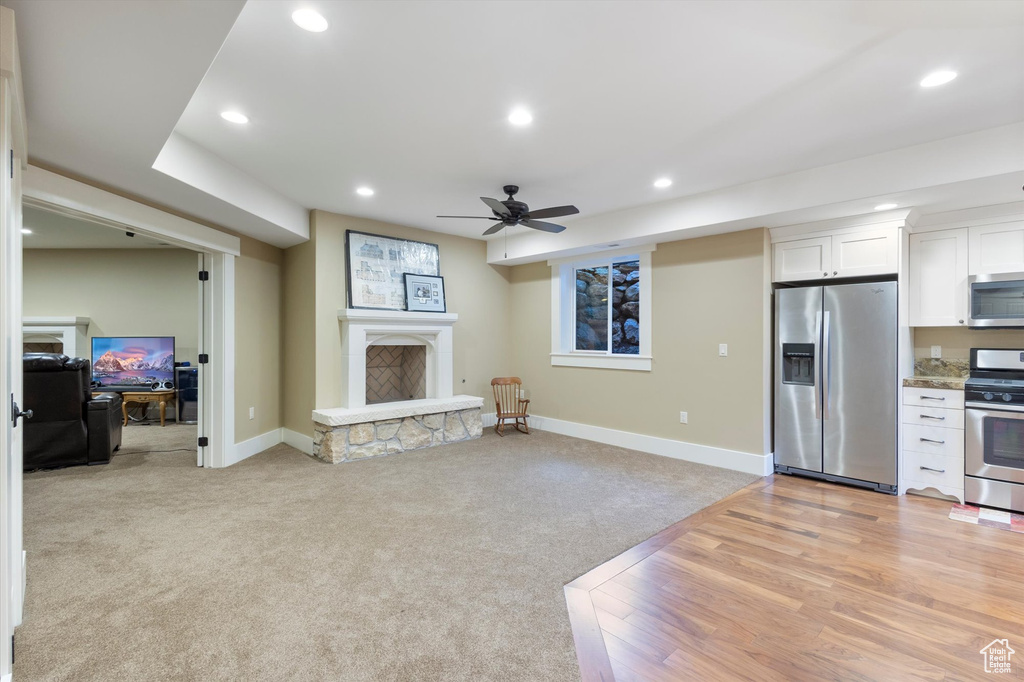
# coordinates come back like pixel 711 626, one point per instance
pixel 363 328
pixel 71 332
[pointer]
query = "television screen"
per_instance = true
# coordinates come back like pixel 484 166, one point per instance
pixel 132 362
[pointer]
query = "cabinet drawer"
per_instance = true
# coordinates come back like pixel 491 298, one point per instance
pixel 933 397
pixel 933 416
pixel 928 469
pixel 933 440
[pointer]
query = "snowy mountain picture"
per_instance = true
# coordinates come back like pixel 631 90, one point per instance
pixel 132 361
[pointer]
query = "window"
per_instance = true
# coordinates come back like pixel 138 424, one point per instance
pixel 601 311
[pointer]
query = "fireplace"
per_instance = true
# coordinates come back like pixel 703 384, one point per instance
pixel 425 356
pixel 395 373
pixel 396 388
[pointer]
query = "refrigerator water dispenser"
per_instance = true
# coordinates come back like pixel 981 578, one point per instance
pixel 798 364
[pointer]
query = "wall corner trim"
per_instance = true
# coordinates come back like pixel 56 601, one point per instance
pixel 248 448
pixel 759 465
pixel 299 441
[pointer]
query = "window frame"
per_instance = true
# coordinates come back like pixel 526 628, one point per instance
pixel 563 311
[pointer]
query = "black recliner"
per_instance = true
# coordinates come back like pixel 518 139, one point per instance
pixel 68 425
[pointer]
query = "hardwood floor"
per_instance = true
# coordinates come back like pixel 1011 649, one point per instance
pixel 791 579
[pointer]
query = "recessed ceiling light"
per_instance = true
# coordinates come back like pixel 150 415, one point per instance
pixel 25 230
pixel 937 78
pixel 662 183
pixel 884 207
pixel 520 117
pixel 311 20
pixel 234 116
pixel 364 192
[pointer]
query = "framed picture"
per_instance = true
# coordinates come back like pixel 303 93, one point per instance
pixel 376 267
pixel 424 293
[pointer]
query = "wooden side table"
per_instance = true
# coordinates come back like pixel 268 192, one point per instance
pixel 162 397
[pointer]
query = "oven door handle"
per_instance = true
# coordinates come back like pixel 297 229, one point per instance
pixel 989 407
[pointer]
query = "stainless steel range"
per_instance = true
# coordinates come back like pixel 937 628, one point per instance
pixel 994 429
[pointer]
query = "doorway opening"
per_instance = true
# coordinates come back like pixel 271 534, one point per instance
pixel 129 305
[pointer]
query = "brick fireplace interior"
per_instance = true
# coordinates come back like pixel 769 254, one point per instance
pixel 395 373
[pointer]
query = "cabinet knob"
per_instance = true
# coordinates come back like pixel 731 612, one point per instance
pixel 824 274
pixel 836 272
pixel 961 321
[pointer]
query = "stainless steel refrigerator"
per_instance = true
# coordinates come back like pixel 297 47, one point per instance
pixel 835 383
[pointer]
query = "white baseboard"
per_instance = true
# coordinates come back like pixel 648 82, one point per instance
pixel 298 440
pixel 248 448
pixel 759 465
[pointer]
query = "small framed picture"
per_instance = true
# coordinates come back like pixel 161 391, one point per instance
pixel 424 293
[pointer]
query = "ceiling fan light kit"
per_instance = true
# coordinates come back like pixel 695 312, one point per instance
pixel 511 212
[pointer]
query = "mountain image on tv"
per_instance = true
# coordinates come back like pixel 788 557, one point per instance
pixel 127 362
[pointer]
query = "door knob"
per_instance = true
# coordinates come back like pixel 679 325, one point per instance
pixel 16 412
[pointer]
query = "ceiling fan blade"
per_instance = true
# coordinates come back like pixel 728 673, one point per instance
pixel 540 225
pixel 496 206
pixel 494 228
pixel 554 212
pixel 474 217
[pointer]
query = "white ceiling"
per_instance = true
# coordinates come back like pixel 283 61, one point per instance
pixel 57 231
pixel 411 98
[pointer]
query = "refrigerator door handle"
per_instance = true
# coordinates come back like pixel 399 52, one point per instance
pixel 826 368
pixel 817 370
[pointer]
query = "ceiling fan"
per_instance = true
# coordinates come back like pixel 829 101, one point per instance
pixel 511 212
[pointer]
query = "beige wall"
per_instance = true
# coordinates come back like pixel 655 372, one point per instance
pixel 478 292
pixel 258 364
pixel 299 336
pixel 706 291
pixel 957 342
pixel 125 292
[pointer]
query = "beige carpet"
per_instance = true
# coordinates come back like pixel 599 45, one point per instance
pixel 441 564
pixel 151 437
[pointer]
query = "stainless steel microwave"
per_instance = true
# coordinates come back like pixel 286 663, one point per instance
pixel 996 301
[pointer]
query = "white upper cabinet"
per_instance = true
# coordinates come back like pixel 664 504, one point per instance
pixel 995 249
pixel 802 259
pixel 938 278
pixel 861 254
pixel 851 254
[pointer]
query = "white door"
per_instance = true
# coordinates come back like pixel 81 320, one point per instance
pixel 938 278
pixel 11 562
pixel 200 414
pixel 802 259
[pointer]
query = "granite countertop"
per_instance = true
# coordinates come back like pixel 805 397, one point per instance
pixel 939 373
pixel 953 383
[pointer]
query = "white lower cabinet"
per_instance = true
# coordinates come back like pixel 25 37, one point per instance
pixel 932 452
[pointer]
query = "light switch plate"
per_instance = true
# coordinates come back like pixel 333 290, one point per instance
pixel 252 413
pixel 936 352
pixel 683 418
pixel 723 349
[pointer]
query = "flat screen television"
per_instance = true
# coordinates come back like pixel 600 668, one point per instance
pixel 127 363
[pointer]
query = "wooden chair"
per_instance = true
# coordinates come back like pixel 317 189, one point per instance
pixel 509 404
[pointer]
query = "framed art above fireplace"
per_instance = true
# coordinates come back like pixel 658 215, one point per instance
pixel 376 267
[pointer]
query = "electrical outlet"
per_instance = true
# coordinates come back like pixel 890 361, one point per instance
pixel 723 350
pixel 936 352
pixel 684 418
pixel 252 413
